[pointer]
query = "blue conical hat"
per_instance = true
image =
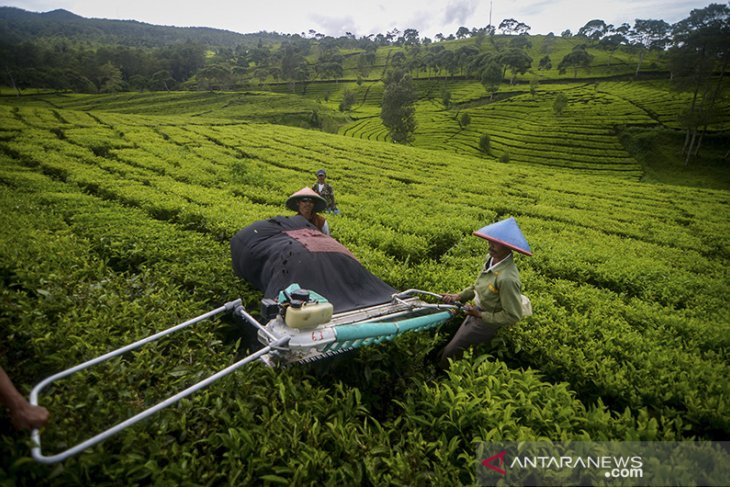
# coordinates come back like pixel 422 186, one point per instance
pixel 507 233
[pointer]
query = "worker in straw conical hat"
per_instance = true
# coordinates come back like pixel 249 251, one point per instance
pixel 307 203
pixel 496 293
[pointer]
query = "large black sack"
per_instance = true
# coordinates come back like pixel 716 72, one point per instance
pixel 272 254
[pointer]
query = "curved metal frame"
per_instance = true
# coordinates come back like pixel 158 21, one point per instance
pixel 274 344
pixel 36 436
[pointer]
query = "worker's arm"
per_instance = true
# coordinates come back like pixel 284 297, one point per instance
pixel 22 414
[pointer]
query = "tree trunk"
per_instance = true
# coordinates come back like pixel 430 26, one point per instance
pixel 691 147
pixel 691 129
pixel 704 109
pixel 12 81
pixel 641 59
pixel 686 141
pixel 711 103
pixel 699 144
pixel 719 81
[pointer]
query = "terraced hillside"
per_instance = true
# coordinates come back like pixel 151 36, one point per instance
pixel 118 224
pixel 523 127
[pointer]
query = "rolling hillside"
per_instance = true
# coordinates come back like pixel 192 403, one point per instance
pixel 18 26
pixel 522 126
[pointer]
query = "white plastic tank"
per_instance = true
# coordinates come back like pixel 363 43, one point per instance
pixel 309 315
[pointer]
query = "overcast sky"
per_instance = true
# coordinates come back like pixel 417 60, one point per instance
pixel 363 17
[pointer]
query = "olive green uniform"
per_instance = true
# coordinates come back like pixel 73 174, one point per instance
pixel 497 293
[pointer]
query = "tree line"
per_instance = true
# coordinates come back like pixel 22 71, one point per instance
pixel 60 65
pixel 63 61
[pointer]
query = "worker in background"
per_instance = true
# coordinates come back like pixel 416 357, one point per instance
pixel 325 191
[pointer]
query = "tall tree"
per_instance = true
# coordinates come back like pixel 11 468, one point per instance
pixel 490 77
pixel 701 49
pixel 577 58
pixel 410 38
pixel 162 80
pixel 214 77
pixel 294 66
pixel 649 34
pixel 108 78
pixel 329 64
pixel 397 110
pixel 545 63
pixel 447 60
pixel 366 60
pixel 398 59
pixel 593 30
pixel 464 56
pixel 517 61
pixel 259 55
pixel 512 26
pixel 614 38
pixel 462 32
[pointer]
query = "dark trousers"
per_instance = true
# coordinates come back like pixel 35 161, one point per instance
pixel 471 332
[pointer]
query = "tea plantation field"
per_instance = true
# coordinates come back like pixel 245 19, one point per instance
pixel 522 125
pixel 115 220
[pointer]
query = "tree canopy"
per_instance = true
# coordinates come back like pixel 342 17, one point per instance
pixel 397 111
pixel 60 50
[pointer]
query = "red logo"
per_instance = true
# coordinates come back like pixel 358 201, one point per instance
pixel 500 462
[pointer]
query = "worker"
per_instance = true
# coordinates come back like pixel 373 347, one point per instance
pixel 325 190
pixel 496 293
pixel 307 203
pixel 23 415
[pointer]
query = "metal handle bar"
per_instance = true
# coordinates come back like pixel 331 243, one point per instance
pixel 35 434
pixel 411 292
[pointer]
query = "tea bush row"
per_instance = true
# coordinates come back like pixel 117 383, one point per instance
pixel 663 103
pixel 254 426
pixel 596 331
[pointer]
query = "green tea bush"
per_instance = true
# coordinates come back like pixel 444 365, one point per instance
pixel 101 247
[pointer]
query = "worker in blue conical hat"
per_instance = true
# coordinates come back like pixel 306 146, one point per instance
pixel 308 204
pixel 496 292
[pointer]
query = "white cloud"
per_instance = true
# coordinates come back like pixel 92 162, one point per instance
pixel 335 17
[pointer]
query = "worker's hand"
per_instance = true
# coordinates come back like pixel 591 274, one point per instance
pixel 450 298
pixel 474 311
pixel 29 417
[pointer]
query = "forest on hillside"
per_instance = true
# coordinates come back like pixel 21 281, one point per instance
pixel 61 51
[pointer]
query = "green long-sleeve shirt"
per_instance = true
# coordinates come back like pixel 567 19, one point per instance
pixel 499 293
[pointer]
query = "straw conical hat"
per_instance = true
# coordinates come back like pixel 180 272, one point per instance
pixel 507 233
pixel 319 202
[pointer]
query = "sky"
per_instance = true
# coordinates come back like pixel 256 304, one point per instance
pixel 364 17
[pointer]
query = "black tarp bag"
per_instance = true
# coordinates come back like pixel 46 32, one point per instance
pixel 272 254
